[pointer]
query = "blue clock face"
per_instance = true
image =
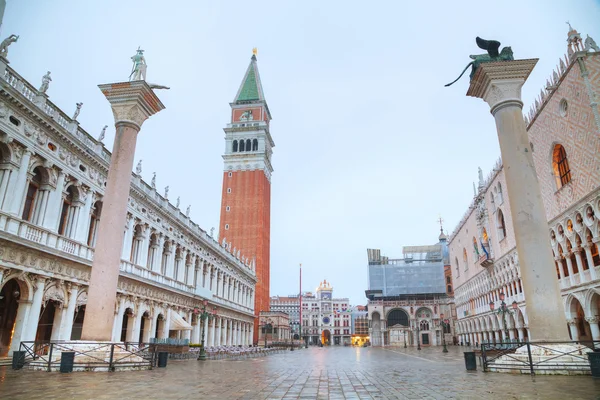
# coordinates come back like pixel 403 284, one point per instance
pixel 325 320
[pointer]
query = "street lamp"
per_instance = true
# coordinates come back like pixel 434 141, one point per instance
pixel 404 338
pixel 292 336
pixel 503 310
pixel 204 315
pixel 418 338
pixel 444 324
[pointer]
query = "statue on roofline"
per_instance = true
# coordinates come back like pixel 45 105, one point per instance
pixel 102 134
pixel 138 168
pixel 45 82
pixel 5 43
pixel 492 55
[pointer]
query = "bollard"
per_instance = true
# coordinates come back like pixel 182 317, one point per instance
pixel 67 358
pixel 594 359
pixel 470 361
pixel 18 360
pixel 163 357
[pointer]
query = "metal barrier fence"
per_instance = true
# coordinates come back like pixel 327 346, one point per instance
pixel 112 356
pixel 540 357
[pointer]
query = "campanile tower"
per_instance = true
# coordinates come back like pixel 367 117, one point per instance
pixel 246 199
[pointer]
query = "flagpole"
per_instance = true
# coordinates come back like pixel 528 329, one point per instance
pixel 300 301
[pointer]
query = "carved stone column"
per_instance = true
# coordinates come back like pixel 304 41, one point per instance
pixel 499 84
pixel 132 103
pixel 594 328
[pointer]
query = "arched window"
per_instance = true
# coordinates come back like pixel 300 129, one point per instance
pixel 500 195
pixel 457 267
pixel 235 146
pixel 501 225
pixel 560 166
pixel 165 257
pixel 398 317
pixel 475 249
pixel 69 214
pixel 32 195
pixel 242 145
pixel 94 224
pixel 465 259
pixel 449 290
pixel 424 325
pixel 136 244
pixel 248 145
pixel 255 145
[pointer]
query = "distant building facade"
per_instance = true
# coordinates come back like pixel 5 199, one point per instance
pixel 360 325
pixel 409 295
pixel 291 306
pixel 325 319
pixel 564 132
pixel 274 327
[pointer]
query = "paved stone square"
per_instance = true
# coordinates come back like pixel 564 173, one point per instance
pixel 315 373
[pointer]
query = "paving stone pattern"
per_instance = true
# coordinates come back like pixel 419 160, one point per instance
pixel 315 373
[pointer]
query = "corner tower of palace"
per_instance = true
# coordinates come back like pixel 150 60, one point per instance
pixel 246 200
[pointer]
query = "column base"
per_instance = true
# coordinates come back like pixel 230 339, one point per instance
pixel 90 356
pixel 547 359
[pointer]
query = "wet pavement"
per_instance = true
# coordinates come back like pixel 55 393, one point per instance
pixel 315 373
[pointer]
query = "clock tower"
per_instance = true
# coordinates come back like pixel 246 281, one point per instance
pixel 246 199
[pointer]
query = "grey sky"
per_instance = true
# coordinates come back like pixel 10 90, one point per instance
pixel 370 146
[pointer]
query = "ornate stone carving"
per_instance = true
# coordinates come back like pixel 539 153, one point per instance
pixel 3 111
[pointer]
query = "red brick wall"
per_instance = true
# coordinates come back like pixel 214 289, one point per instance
pixel 249 221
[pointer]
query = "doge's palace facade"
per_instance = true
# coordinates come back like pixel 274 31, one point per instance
pixel 52 180
pixel 563 127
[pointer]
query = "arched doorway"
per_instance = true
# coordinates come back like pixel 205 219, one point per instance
pixel 78 323
pixel 376 329
pixel 127 324
pixel 51 312
pixel 9 304
pixel 579 328
pixel 326 337
pixel 398 327
pixel 160 324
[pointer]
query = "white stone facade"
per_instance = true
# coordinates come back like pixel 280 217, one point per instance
pixel 52 177
pixel 564 133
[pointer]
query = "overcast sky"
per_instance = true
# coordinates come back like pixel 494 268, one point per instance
pixel 370 146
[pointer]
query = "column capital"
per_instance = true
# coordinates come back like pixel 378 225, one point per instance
pixel 499 83
pixel 593 320
pixel 131 102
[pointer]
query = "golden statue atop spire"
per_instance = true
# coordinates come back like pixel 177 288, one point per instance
pixel 254 51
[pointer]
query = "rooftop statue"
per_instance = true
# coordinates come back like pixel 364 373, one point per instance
pixel 5 43
pixel 492 55
pixel 45 82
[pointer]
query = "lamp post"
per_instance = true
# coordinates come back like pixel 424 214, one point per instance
pixel 444 324
pixel 418 338
pixel 503 310
pixel 204 315
pixel 404 338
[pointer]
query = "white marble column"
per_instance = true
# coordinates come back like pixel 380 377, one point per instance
pixel 196 332
pixel 574 331
pixel 127 237
pixel 36 309
pixel 66 326
pixel 83 226
pixel 118 320
pixel 20 185
pixel 49 216
pixel 499 84
pixel 205 333
pixel 590 260
pixel 594 328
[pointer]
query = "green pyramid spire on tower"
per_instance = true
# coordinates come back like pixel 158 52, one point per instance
pixel 251 88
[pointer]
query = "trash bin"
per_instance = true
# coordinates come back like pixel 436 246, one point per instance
pixel 67 358
pixel 18 360
pixel 163 357
pixel 470 361
pixel 593 357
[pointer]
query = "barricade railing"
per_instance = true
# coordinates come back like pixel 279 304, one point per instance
pixel 92 355
pixel 540 356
